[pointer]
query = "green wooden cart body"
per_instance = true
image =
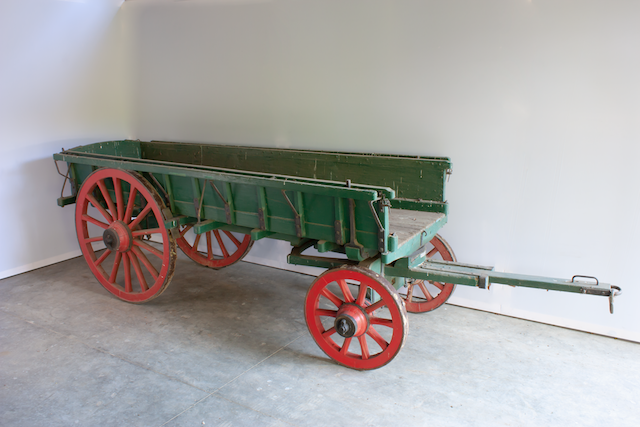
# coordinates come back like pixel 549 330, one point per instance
pixel 379 210
pixel 291 195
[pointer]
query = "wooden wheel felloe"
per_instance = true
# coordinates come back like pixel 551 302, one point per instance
pixel 223 247
pixel 421 296
pixel 131 268
pixel 346 326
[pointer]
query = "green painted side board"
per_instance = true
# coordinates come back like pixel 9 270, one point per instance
pixel 410 177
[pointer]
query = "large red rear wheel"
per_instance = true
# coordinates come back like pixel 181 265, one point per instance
pixel 131 268
pixel 346 326
pixel 223 247
pixel 420 296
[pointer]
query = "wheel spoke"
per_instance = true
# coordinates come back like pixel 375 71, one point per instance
pixel 187 228
pixel 328 313
pixel 233 239
pixel 332 297
pixel 127 274
pixel 130 205
pixel 345 346
pixel 375 306
pixel 138 270
pixel 117 186
pixel 329 332
pixel 432 252
pixel 362 294
pixel 195 244
pixel 102 258
pixel 146 232
pixel 425 291
pixel 364 347
pixel 209 250
pixel 141 216
pixel 438 285
pixel 381 321
pixel 145 261
pixel 94 221
pixel 221 243
pixel 116 265
pixel 410 292
pixel 107 198
pixel 348 297
pixel 100 209
pixel 93 239
pixel 378 338
pixel 148 247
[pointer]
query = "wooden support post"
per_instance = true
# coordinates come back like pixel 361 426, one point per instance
pixel 301 219
pixel 169 188
pixel 198 197
pixel 232 209
pixel 263 214
pixel 339 221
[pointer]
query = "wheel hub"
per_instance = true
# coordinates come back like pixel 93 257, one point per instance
pixel 351 321
pixel 117 237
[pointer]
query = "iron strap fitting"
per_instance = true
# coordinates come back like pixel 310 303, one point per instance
pixel 227 208
pixel 615 291
pixel 65 176
pixel 383 203
pixel 296 215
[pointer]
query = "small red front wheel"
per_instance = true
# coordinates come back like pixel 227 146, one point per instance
pixel 223 247
pixel 346 326
pixel 421 296
pixel 123 211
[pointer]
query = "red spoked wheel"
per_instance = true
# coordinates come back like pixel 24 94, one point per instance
pixel 223 247
pixel 122 224
pixel 420 296
pixel 348 328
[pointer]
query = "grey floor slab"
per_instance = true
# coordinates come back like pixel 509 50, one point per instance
pixel 230 348
pixel 205 318
pixel 49 379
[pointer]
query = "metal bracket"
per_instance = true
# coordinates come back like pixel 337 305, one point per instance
pixel 376 217
pixel 263 225
pixel 227 208
pixel 585 277
pixel 612 295
pixel 296 215
pixel 199 213
pixel 66 177
pixel 158 186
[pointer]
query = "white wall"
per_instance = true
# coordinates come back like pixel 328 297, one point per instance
pixel 536 102
pixel 61 85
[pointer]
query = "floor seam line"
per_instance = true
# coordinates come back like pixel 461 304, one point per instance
pixel 252 409
pixel 233 379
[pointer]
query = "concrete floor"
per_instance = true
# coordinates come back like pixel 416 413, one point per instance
pixel 230 347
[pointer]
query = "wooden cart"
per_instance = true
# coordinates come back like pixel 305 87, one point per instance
pixel 375 216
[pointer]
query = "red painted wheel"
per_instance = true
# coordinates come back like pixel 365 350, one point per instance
pixel 420 296
pixel 223 247
pixel 349 329
pixel 122 224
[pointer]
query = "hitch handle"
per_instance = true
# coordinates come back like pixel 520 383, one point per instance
pixel 585 277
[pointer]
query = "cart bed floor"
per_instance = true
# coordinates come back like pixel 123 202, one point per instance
pixel 407 224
